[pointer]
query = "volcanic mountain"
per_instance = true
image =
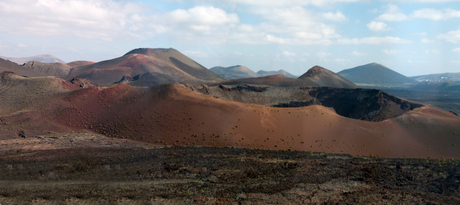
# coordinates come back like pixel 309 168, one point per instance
pixel 234 72
pixel 282 72
pixel 46 58
pixel 49 69
pixel 193 115
pixel 170 63
pixel 374 74
pixel 6 65
pixel 319 76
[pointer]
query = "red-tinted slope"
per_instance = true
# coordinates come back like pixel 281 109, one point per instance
pixel 169 62
pixel 173 114
pixel 323 77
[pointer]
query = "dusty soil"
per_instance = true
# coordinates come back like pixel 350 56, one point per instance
pixel 131 173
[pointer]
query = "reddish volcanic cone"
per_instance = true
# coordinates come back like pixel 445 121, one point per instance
pixel 323 77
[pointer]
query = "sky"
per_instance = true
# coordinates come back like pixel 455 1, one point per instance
pixel 412 37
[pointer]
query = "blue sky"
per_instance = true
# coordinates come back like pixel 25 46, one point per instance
pixel 413 37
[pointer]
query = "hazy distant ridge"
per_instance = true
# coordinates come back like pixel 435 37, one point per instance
pixel 374 73
pixel 46 58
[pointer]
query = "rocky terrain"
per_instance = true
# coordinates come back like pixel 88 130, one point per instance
pixel 362 104
pixel 133 174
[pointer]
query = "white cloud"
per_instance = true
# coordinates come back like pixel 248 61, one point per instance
pixel 338 60
pixel 378 26
pixel 277 3
pixel 337 16
pixel 356 53
pixel 424 1
pixel 287 53
pixel 425 40
pixel 292 25
pixel 20 45
pixel 322 54
pixel 102 19
pixel 432 51
pixel 237 53
pixel 451 36
pixel 421 34
pixel 392 51
pixel 306 54
pixel 197 54
pixel 393 13
pixel 374 40
pixel 435 14
pixel 456 50
pixel 203 15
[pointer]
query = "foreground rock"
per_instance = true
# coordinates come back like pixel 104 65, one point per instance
pixel 221 176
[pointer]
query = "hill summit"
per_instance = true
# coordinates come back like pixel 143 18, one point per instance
pixel 324 77
pixel 374 73
pixel 167 65
pixel 234 72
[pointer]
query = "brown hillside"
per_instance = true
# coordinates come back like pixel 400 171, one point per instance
pixel 49 69
pixel 141 61
pixel 79 63
pixel 174 114
pixel 6 65
pixel 325 78
pixel 272 80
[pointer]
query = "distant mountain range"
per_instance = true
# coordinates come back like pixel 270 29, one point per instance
pixel 239 71
pixel 375 74
pixel 46 58
pixel 150 67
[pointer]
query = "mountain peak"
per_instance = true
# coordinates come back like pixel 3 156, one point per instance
pixel 150 51
pixel 314 71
